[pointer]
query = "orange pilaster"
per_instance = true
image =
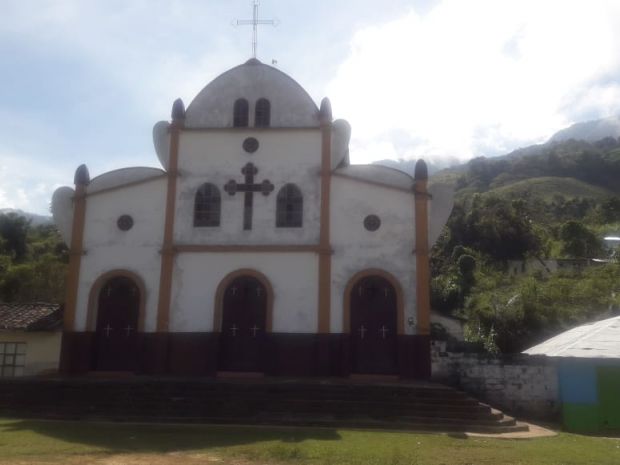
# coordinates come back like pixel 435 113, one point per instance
pixel 167 252
pixel 422 285
pixel 325 260
pixel 76 247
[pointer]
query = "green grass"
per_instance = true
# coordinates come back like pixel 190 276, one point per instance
pixel 29 441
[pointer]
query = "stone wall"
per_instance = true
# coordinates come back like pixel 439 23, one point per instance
pixel 520 384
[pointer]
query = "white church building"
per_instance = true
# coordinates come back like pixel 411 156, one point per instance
pixel 256 248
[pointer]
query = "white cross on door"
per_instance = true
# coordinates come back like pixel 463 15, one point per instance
pixel 234 330
pixel 383 331
pixel 107 330
pixel 362 331
pixel 128 330
pixel 254 330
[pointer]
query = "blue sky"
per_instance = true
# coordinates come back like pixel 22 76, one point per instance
pixel 83 81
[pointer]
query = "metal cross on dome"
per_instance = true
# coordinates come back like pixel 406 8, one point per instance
pixel 255 22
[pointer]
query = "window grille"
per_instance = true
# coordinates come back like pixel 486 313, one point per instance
pixel 240 113
pixel 207 206
pixel 12 359
pixel 262 115
pixel 290 207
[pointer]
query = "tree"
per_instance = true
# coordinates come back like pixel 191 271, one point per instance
pixel 14 230
pixel 579 241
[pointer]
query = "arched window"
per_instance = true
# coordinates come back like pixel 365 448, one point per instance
pixel 207 206
pixel 240 113
pixel 290 207
pixel 262 116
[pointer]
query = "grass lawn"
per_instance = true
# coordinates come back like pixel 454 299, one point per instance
pixel 53 442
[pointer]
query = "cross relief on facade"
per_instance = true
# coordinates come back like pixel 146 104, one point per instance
pixel 248 187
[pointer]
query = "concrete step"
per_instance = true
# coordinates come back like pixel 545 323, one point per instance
pixel 265 401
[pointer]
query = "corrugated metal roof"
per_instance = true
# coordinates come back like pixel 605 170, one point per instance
pixel 36 316
pixel 600 339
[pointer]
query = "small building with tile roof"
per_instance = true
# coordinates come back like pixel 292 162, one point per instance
pixel 30 338
pixel 588 359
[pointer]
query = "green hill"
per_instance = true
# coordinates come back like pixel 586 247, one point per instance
pixel 596 164
pixel 547 188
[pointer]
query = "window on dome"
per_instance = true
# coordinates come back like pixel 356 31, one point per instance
pixel 290 207
pixel 207 206
pixel 241 113
pixel 262 116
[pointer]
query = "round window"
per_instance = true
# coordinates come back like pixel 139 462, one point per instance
pixel 372 222
pixel 124 222
pixel 250 145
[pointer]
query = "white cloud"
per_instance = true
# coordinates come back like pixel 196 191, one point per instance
pixel 28 185
pixel 476 77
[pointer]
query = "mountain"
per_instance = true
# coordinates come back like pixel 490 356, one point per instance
pixel 596 164
pixel 590 131
pixel 35 219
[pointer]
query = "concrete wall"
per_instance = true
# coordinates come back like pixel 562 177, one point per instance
pixel 283 156
pixel 590 394
pixel 390 248
pixel 137 250
pixel 521 384
pixel 42 350
pixel 293 277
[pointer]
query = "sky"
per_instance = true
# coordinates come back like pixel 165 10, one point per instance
pixel 83 81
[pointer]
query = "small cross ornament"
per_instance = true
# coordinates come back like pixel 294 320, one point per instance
pixel 107 330
pixel 362 331
pixel 234 330
pixel 383 331
pixel 128 330
pixel 254 330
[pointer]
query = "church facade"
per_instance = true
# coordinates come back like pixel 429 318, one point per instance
pixel 257 247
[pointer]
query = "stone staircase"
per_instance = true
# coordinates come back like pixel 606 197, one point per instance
pixel 268 401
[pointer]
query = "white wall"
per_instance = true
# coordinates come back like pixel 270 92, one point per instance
pixel 137 250
pixel 284 156
pixel 390 248
pixel 42 350
pixel 293 277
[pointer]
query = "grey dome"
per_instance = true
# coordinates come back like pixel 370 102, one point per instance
pixel 291 106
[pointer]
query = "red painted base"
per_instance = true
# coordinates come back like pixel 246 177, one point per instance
pixel 196 354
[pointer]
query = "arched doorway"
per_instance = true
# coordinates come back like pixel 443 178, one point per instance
pixel 244 324
pixel 373 326
pixel 117 324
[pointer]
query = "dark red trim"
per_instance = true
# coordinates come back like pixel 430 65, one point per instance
pixel 195 354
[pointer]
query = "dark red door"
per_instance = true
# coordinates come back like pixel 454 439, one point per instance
pixel 374 340
pixel 117 323
pixel 244 316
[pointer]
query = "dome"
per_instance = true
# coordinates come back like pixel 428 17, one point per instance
pixel 291 106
